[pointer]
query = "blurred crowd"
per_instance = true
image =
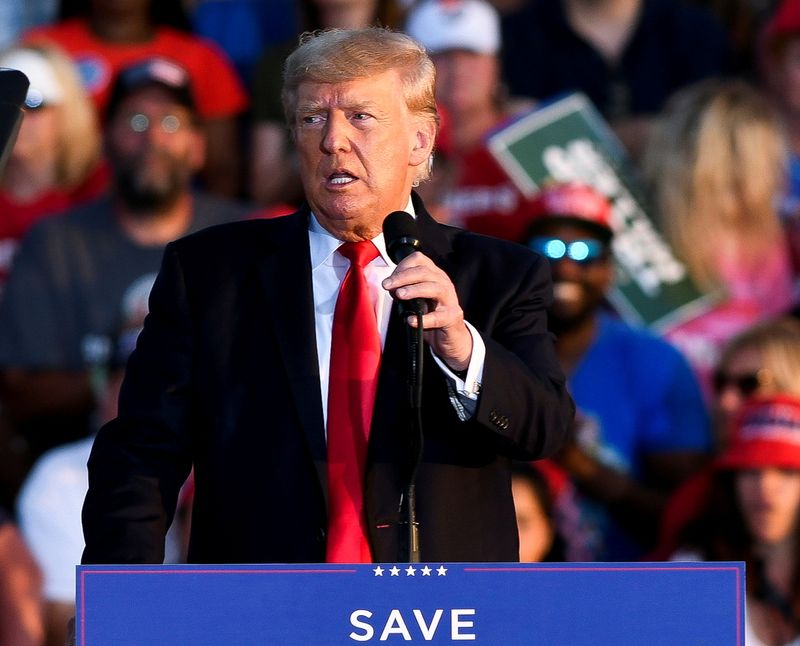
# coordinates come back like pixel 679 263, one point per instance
pixel 146 120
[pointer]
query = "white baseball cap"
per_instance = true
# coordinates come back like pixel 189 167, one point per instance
pixel 440 25
pixel 44 88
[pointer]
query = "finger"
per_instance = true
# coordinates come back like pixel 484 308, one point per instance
pixel 414 260
pixel 415 265
pixel 430 290
pixel 438 319
pixel 409 275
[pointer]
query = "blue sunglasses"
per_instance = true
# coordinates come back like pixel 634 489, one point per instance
pixel 581 251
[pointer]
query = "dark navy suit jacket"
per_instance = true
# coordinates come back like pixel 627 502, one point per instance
pixel 225 379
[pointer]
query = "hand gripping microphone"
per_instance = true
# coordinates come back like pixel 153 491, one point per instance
pixel 400 234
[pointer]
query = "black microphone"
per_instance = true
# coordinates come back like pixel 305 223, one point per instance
pixel 13 89
pixel 400 234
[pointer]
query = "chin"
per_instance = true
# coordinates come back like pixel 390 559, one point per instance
pixel 567 312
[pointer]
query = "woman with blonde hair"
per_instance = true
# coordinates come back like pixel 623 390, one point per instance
pixel 761 361
pixel 716 165
pixel 55 162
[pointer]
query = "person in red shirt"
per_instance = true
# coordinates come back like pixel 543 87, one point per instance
pixel 463 38
pixel 112 35
pixel 55 162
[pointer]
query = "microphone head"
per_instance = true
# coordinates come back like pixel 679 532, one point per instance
pixel 13 86
pixel 13 90
pixel 400 233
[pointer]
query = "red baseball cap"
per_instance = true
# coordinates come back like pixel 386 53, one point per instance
pixel 765 434
pixel 571 202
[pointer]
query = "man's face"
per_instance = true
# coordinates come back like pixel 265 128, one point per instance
pixel 359 148
pixel 466 81
pixel 154 148
pixel 121 7
pixel 578 287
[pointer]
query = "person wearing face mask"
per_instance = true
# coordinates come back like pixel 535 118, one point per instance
pixel 642 426
pixel 750 513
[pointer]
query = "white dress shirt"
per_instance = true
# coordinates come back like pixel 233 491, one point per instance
pixel 328 270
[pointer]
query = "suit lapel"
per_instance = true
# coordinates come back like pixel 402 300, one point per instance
pixel 436 243
pixel 285 273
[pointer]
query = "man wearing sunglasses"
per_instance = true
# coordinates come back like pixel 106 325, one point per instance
pixel 642 424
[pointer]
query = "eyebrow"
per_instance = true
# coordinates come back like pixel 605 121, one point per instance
pixel 317 106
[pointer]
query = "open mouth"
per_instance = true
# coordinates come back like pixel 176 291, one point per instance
pixel 568 292
pixel 341 178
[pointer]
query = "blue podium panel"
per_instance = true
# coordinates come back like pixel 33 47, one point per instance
pixel 658 604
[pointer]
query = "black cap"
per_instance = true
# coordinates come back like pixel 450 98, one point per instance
pixel 160 72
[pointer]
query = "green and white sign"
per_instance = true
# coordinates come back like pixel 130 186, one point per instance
pixel 568 140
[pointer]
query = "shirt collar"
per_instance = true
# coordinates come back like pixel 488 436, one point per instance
pixel 323 244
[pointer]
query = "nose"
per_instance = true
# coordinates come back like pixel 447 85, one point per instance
pixel 156 135
pixel 151 139
pixel 729 400
pixel 769 481
pixel 565 268
pixel 336 136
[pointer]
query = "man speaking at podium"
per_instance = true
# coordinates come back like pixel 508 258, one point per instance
pixel 274 362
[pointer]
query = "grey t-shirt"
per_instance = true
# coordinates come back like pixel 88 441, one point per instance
pixel 75 279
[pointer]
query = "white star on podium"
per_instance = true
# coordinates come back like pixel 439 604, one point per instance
pixel 442 570
pixel 426 571
pixel 410 571
pixel 394 571
pixel 378 571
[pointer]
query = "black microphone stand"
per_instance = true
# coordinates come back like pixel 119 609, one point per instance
pixel 415 354
pixel 402 239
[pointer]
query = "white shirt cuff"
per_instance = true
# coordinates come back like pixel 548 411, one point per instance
pixel 466 390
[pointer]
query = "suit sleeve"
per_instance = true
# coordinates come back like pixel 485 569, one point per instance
pixel 524 398
pixel 140 460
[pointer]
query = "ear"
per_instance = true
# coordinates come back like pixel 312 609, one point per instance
pixel 422 144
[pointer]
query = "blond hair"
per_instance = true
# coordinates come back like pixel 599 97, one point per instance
pixel 777 342
pixel 716 162
pixel 79 139
pixel 342 55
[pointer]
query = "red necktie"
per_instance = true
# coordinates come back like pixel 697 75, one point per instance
pixel 355 361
